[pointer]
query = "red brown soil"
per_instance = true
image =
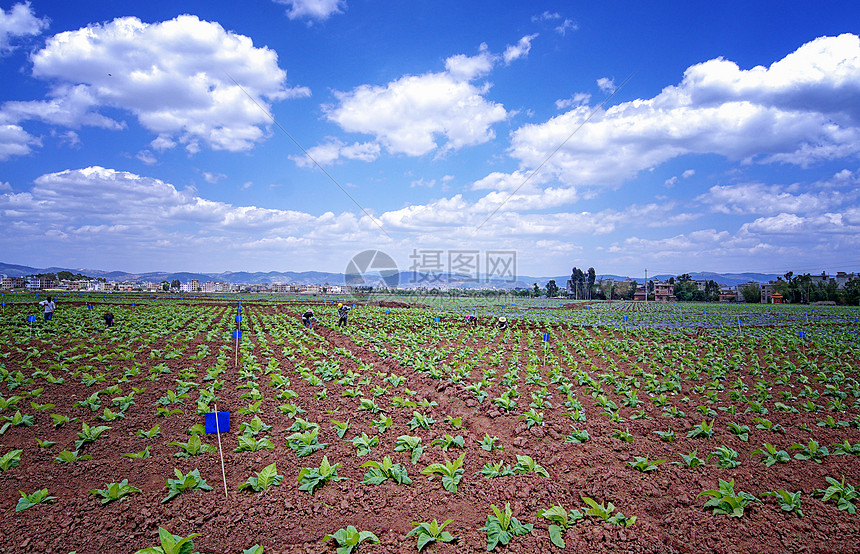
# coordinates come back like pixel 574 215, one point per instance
pixel 670 516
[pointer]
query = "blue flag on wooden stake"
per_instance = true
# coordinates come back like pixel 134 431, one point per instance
pixel 435 320
pixel 238 318
pixel 625 318
pixel 31 318
pixel 388 312
pixel 223 422
pixel 546 337
pixel 802 334
pixel 237 334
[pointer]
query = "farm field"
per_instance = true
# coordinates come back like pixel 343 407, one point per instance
pixel 624 404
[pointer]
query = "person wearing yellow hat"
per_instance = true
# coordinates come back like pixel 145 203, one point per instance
pixel 342 312
pixel 503 323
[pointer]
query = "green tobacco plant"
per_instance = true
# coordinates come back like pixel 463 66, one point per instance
pixel 364 443
pixel 58 420
pixel 267 477
pixel 643 464
pixel 501 527
pixel 846 448
pixel 254 427
pixel 844 494
pixel 412 444
pixel 16 420
pixel 349 538
pixel 340 427
pixel 247 443
pixel 666 436
pixel 115 491
pixel 623 436
pixel 171 544
pixel 525 464
pixel 813 451
pixel 741 431
pixel 690 460
pixel 561 522
pixel 447 441
pixel 90 434
pixel 155 431
pixel 194 447
pixel 30 500
pixel 788 501
pixel 310 478
pixel 451 472
pixel 532 418
pixel 727 458
pixel 68 457
pixel 725 501
pixel 770 455
pixel 145 453
pixel 420 420
pixel 605 512
pixel 428 533
pixel 768 425
pixel 182 483
pixel 702 430
pixel 488 443
pixel 305 443
pixel 383 423
pixel 10 460
pixel 381 471
pixel 577 436
pixel 491 470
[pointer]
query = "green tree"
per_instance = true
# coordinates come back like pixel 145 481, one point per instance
pixel 551 289
pixel 592 276
pixel 536 290
pixel 175 284
pixel 751 293
pixel 851 292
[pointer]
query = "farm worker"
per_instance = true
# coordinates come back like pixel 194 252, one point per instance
pixel 472 320
pixel 307 318
pixel 108 319
pixel 342 311
pixel 49 308
pixel 503 323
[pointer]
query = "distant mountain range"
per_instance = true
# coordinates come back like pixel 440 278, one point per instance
pixel 403 279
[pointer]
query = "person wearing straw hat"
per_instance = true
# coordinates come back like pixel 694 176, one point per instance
pixel 308 318
pixel 503 323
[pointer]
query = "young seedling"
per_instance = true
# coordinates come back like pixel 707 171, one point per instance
pixel 45 443
pixel 489 443
pixel 788 501
pixel 844 494
pixel 725 501
pixel 182 483
pixel 58 420
pixel 726 457
pixel 428 533
pixel 577 436
pixel 492 470
pixel 115 491
pixel 604 512
pixel 349 538
pixel 67 457
pixel 10 460
pixel 254 427
pixel 194 447
pixel 383 423
pixel 145 453
pixel 666 436
pixel 380 471
pixel 340 427
pixel 311 478
pixel 420 420
pixel 770 455
pixel 501 527
pixel 813 451
pixel 643 464
pixel 525 464
pixel 532 418
pixel 171 544
pixel 702 430
pixel 305 443
pixel 16 420
pixel 30 500
pixel 741 431
pixel 768 425
pixel 267 477
pixel 451 472
pixel 447 441
pixel 561 522
pixel 412 444
pixel 846 448
pixel 623 436
pixel 155 431
pixel 364 443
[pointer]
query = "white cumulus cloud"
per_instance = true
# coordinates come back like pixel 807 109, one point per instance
pixel 19 21
pixel 313 9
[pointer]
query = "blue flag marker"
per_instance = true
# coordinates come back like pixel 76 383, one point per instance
pixel 625 318
pixel 238 318
pixel 387 312
pixel 223 422
pixel 801 334
pixel 89 306
pixel 4 305
pixel 237 334
pixel 546 337
pixel 435 320
pixel 31 318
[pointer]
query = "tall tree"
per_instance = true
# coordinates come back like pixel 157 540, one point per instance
pixel 551 288
pixel 592 276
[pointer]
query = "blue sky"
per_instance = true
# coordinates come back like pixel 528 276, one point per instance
pixel 676 136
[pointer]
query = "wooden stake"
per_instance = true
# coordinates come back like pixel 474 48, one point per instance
pixel 220 452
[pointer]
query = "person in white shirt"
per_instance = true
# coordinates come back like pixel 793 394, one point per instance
pixel 49 308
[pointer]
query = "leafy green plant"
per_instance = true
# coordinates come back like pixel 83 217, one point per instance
pixel 577 436
pixel 788 501
pixel 846 448
pixel 741 431
pixel 10 460
pixel 643 464
pixel 727 458
pixel 623 436
pixel 155 431
pixel 380 471
pixel 420 420
pixel 115 491
pixel 171 544
pixel 182 483
pixel 68 457
pixel 254 427
pixel 310 478
pixel 813 451
pixel 58 420
pixel 410 443
pixel 768 425
pixel 491 470
pixel 725 501
pixel 702 430
pixel 532 418
pixel 265 478
pixel 349 538
pixel 840 492
pixel 605 512
pixel 431 532
pixel 247 443
pixel 305 443
pixel 30 500
pixel 194 447
pixel 561 522
pixel 451 472
pixel 690 460
pixel 18 419
pixel 770 455
pixel 666 436
pixel 383 423
pixel 90 434
pixel 340 427
pixel 525 464
pixel 488 443
pixel 364 443
pixel 145 453
pixel 447 441
pixel 501 527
